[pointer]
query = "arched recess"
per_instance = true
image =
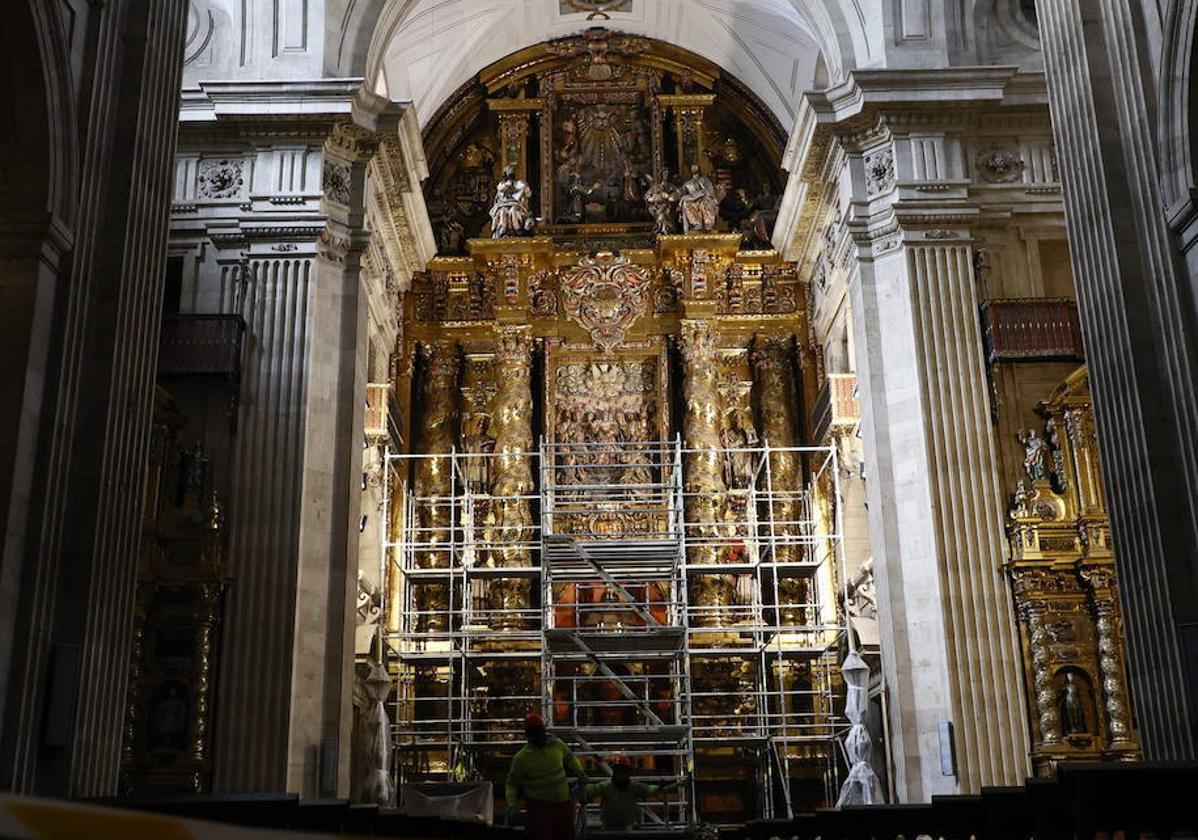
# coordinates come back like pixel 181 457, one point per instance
pixel 361 33
pixel 1178 108
pixel 37 210
pixel 38 113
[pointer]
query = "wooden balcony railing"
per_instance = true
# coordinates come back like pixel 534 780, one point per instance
pixel 201 344
pixel 382 414
pixel 837 404
pixel 1028 330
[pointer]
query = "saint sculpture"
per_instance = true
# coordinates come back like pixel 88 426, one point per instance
pixel 699 206
pixel 510 214
pixel 660 198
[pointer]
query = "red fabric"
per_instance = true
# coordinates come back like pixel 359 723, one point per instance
pixel 550 820
pixel 533 719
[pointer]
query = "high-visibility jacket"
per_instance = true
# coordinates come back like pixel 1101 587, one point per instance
pixel 620 810
pixel 540 772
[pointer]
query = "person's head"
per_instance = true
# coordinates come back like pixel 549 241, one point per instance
pixel 534 729
pixel 694 169
pixel 509 172
pixel 621 773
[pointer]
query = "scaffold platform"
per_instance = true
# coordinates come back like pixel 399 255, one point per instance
pixel 702 649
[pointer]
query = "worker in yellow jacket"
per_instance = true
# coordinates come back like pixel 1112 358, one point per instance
pixel 538 772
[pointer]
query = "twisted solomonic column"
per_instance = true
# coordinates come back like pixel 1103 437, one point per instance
pixel 703 474
pixel 512 534
pixel 772 375
pixel 434 478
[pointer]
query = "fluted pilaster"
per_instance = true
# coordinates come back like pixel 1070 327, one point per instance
pixel 1139 345
pixel 257 657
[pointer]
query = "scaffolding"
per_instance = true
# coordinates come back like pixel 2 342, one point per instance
pixel 695 631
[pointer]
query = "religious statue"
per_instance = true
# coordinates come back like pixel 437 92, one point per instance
pixel 450 233
pixel 632 187
pixel 739 462
pixel 1037 458
pixel 576 196
pixel 510 214
pixel 168 725
pixel 478 445
pixel 1073 710
pixel 699 205
pixel 660 198
pixel 765 214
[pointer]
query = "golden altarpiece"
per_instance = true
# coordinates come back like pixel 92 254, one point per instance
pixel 605 512
pixel 1062 572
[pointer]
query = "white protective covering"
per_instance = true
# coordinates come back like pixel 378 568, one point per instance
pixel 476 804
pixel 379 787
pixel 861 787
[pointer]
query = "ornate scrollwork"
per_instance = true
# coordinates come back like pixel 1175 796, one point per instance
pixel 605 295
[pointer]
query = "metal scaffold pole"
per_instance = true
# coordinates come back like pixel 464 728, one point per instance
pixel 635 630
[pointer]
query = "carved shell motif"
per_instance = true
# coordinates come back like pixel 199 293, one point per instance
pixel 605 295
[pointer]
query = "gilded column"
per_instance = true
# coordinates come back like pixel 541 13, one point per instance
pixel 1108 624
pixel 512 534
pixel 434 478
pixel 689 110
pixel 514 122
pixel 703 465
pixel 1034 612
pixel 771 370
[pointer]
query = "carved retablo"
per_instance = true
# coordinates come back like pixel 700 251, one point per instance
pixel 1062 573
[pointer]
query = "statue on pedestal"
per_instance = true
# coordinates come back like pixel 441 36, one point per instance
pixel 1037 458
pixel 478 446
pixel 660 198
pixel 1073 710
pixel 699 205
pixel 739 464
pixel 510 214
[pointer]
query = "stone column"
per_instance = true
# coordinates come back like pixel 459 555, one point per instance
pixel 936 516
pixel 1138 322
pixel 703 476
pixel 83 221
pixel 513 472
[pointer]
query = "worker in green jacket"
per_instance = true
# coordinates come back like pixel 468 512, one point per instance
pixel 539 772
pixel 620 797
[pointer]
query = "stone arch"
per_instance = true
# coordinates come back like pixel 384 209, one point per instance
pixel 1178 99
pixel 39 127
pixel 37 209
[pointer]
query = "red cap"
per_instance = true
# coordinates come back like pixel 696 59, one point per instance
pixel 533 720
pixel 620 761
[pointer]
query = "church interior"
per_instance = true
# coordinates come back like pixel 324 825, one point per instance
pixel 792 404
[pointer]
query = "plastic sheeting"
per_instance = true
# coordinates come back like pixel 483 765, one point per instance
pixel 475 803
pixel 379 787
pixel 861 787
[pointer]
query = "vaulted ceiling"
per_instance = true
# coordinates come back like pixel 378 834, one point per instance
pixel 434 46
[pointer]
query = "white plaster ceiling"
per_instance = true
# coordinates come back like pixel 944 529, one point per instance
pixel 437 45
